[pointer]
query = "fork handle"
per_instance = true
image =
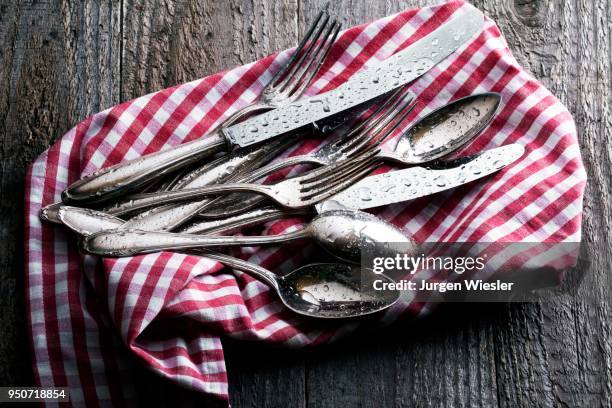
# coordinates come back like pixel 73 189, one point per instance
pixel 132 242
pixel 166 197
pixel 116 180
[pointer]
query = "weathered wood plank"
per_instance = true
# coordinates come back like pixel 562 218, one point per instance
pixel 558 353
pixel 59 62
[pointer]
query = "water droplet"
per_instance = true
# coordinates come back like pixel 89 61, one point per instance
pixel 254 129
pixel 387 188
pixel 476 111
pixel 475 169
pixel 375 79
pixel 325 288
pixel 365 194
pixel 498 164
pixel 407 182
pixel 308 297
pixel 435 42
pixel 440 181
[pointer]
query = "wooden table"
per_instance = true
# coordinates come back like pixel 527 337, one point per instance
pixel 61 61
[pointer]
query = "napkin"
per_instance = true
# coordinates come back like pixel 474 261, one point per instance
pixel 94 321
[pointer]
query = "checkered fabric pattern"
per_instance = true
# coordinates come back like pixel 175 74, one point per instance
pixel 170 310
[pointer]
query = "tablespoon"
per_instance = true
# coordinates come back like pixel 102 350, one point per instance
pixel 344 233
pixel 324 290
pixel 438 134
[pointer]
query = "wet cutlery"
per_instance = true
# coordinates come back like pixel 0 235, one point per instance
pixel 370 83
pixel 373 191
pixel 322 290
pixel 376 127
pixel 436 135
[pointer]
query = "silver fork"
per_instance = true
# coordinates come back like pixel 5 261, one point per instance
pixel 298 192
pixel 287 86
pixel 290 82
pixel 338 149
pixel 169 216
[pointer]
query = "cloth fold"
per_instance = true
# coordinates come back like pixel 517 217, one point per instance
pixel 170 310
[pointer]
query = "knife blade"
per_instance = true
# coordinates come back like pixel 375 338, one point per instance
pixel 397 70
pixel 364 86
pixel 414 182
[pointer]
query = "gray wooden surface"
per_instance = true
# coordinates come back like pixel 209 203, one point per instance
pixel 61 61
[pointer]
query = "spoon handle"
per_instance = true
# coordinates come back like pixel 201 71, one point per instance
pixel 230 224
pixel 244 266
pixel 132 242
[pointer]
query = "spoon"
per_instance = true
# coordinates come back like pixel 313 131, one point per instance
pixel 323 290
pixel 345 233
pixel 438 134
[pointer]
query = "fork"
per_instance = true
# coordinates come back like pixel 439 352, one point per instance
pixel 169 216
pixel 337 149
pixel 298 192
pixel 286 86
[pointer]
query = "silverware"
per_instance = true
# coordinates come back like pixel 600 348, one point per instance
pixel 85 221
pixel 438 134
pixel 303 191
pixel 344 233
pixel 370 83
pixel 345 146
pixel 329 290
pixel 287 85
pixel 383 189
pixel 324 290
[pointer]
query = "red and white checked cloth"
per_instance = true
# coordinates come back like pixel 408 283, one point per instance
pixel 170 310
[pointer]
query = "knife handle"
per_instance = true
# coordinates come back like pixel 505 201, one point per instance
pixel 121 178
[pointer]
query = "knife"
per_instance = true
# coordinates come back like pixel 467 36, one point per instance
pixel 372 82
pixel 414 182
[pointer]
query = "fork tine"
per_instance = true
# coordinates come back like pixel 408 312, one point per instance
pixel 399 118
pixel 334 168
pixel 373 131
pixel 337 176
pixel 305 52
pixel 380 108
pixel 355 175
pixel 310 70
pixel 290 64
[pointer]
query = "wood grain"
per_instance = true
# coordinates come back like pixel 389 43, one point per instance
pixel 61 61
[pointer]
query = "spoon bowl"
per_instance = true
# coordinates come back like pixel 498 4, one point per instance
pixel 332 290
pixel 350 234
pixel 446 129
